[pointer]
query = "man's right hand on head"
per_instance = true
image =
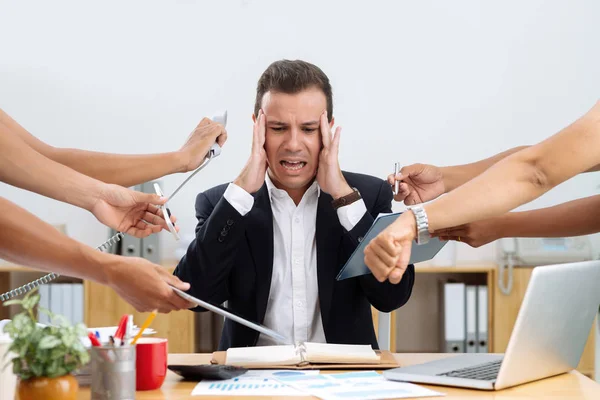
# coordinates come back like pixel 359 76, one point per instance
pixel 145 285
pixel 419 183
pixel 252 176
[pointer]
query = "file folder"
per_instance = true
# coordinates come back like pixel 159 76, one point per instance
pixel 45 303
pixel 77 303
pixel 454 317
pixel 67 301
pixel 471 318
pixel 482 319
pixel 56 303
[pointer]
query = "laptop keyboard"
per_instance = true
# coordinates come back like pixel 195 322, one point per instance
pixel 483 372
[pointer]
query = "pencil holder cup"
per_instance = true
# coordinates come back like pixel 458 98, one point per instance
pixel 113 372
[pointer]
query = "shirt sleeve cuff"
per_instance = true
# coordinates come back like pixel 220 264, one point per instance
pixel 239 199
pixel 351 214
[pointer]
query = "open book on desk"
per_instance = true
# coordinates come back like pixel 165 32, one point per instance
pixel 306 355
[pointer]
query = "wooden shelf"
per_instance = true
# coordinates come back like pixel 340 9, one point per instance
pixel 458 269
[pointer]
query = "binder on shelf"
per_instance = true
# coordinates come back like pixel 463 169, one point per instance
pixel 454 317
pixel 56 303
pixel 67 301
pixel 77 303
pixel 44 292
pixel 482 319
pixel 471 318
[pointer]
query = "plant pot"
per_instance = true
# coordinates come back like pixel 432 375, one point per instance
pixel 61 388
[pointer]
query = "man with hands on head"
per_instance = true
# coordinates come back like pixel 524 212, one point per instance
pixel 481 193
pixel 92 180
pixel 272 242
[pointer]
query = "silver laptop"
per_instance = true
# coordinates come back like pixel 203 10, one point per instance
pixel 552 328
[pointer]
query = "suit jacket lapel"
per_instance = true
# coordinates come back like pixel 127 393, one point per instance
pixel 259 234
pixel 328 235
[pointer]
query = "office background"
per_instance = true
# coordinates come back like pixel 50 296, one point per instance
pixel 428 81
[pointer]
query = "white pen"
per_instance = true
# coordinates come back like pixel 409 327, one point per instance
pixel 396 183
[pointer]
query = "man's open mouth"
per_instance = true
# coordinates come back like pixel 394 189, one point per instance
pixel 292 165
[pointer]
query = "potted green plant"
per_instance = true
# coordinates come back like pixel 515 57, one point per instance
pixel 45 356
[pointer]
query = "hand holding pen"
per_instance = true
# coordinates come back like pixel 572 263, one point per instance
pixel 417 183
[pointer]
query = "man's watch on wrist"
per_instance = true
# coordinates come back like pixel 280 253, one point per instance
pixel 347 199
pixel 423 234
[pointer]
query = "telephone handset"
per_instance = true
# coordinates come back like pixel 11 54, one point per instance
pixel 539 251
pixel 214 151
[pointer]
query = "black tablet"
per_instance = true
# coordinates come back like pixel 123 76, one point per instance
pixel 355 266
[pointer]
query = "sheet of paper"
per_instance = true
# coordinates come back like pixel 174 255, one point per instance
pixel 330 352
pixel 363 385
pixel 282 355
pixel 253 383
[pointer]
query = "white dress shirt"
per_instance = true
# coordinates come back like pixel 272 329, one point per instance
pixel 293 307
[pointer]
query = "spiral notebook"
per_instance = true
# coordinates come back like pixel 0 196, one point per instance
pixel 306 355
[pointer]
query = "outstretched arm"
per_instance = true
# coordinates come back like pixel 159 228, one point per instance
pixel 29 241
pixel 121 169
pixel 574 218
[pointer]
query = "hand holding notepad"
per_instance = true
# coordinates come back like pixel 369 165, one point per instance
pixel 302 353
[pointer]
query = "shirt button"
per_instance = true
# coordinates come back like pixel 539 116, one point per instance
pixel 299 303
pixel 360 239
pixel 297 220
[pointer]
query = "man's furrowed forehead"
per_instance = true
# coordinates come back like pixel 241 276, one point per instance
pixel 303 107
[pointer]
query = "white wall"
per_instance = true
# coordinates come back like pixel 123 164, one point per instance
pixel 414 81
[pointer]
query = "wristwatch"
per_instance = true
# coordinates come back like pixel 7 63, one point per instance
pixel 423 234
pixel 347 199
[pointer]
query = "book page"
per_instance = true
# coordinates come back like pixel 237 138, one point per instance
pixel 330 353
pixel 263 355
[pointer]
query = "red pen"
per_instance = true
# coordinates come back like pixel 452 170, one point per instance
pixel 121 328
pixel 94 340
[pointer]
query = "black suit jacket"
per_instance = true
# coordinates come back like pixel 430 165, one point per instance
pixel 231 260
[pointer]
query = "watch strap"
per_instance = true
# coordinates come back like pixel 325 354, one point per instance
pixel 347 199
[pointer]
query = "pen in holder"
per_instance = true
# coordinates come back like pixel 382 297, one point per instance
pixel 113 372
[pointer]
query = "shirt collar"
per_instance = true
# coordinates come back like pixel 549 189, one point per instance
pixel 274 192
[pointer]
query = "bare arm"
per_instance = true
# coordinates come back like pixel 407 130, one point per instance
pixel 122 209
pixel 23 167
pixel 574 218
pixel 28 241
pixel 456 175
pixel 425 182
pixel 522 176
pixel 515 180
pixel 126 170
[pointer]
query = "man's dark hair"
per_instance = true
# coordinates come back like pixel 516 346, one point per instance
pixel 287 76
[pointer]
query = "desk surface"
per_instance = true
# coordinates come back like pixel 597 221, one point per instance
pixel 566 386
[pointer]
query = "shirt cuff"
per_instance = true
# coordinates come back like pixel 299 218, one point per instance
pixel 351 214
pixel 239 199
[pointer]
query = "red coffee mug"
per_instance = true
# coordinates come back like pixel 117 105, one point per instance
pixel 150 363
